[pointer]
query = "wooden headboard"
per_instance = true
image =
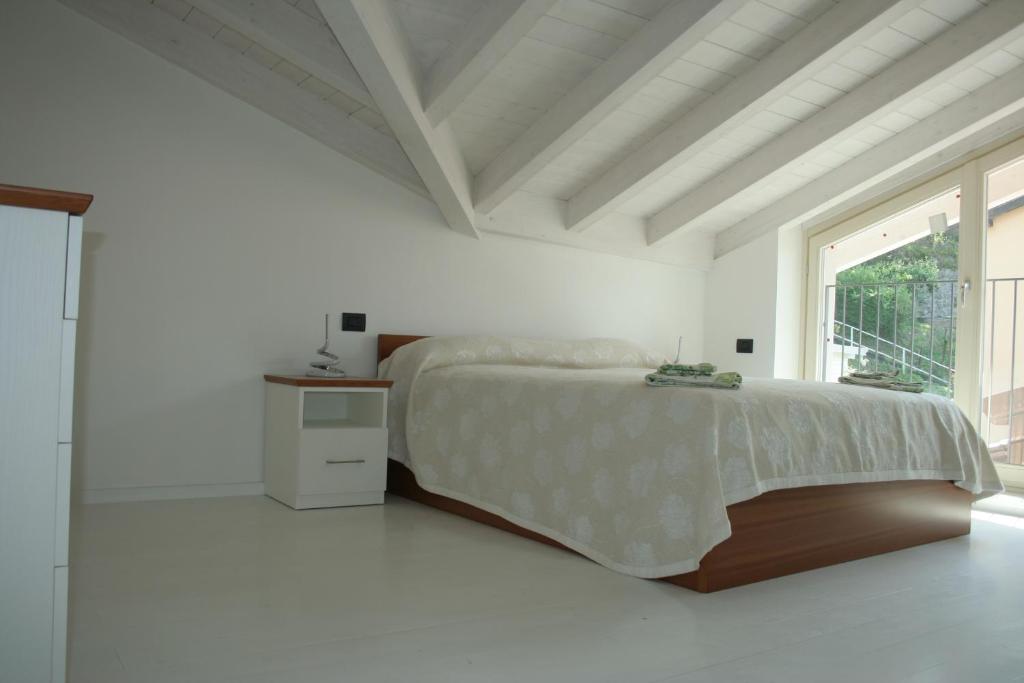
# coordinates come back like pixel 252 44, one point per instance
pixel 387 343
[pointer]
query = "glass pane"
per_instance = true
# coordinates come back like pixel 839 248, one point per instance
pixel 1002 407
pixel 891 293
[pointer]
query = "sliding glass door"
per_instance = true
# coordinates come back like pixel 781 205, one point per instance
pixel 930 285
pixel 889 291
pixel 1002 368
pixel 890 296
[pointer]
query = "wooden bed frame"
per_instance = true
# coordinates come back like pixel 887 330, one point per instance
pixel 777 533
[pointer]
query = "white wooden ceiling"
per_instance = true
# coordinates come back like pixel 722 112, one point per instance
pixel 721 117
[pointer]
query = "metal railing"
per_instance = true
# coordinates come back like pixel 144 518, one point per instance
pixel 906 359
pixel 914 330
pixel 1002 422
pixel 910 327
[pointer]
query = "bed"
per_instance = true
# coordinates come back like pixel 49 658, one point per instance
pixel 719 534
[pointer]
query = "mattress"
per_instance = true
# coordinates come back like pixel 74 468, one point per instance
pixel 565 439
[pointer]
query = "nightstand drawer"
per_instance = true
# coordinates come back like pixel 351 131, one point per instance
pixel 344 460
pixel 326 440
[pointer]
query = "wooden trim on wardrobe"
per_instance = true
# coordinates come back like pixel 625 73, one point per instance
pixel 73 203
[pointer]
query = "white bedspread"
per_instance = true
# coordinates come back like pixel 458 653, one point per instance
pixel 564 438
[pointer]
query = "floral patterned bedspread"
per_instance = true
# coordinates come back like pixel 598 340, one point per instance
pixel 564 438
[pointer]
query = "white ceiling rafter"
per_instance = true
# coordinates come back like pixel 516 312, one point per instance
pixel 976 37
pixel 837 31
pixel 274 94
pixel 294 35
pixel 670 33
pixel 373 39
pixel 493 31
pixel 991 112
pixel 571 112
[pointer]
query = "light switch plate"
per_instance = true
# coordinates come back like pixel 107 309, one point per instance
pixel 353 322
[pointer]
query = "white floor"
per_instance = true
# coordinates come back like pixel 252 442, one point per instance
pixel 245 589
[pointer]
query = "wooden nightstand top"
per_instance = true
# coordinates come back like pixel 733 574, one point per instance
pixel 354 382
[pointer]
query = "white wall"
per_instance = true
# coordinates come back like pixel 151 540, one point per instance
pixel 219 237
pixel 789 302
pixel 756 292
pixel 740 303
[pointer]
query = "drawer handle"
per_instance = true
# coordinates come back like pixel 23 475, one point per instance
pixel 346 462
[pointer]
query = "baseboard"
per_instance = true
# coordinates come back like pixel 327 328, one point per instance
pixel 141 493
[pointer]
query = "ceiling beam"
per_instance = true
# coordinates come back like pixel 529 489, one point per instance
pixel 988 113
pixel 976 37
pixel 294 35
pixel 233 72
pixel 821 42
pixel 372 38
pixel 493 31
pixel 673 31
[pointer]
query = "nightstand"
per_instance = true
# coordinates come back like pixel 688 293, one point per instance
pixel 326 440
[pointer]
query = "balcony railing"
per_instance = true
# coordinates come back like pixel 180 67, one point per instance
pixel 909 327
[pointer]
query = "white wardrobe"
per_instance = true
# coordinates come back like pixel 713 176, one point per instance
pixel 40 254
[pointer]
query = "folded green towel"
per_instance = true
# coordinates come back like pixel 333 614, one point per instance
pixel 677 370
pixel 882 380
pixel 723 380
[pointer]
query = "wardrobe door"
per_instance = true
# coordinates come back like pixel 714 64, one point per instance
pixel 33 252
